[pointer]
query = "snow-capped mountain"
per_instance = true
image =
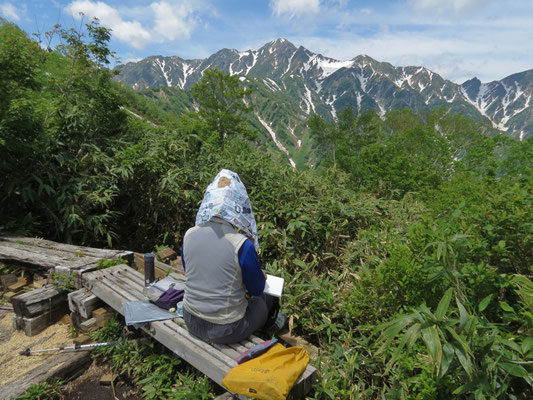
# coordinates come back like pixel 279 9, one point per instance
pixel 290 83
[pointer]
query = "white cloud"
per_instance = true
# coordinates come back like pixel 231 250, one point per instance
pixel 440 6
pixel 170 20
pixel 9 11
pixel 174 21
pixel 130 32
pixel 294 8
pixel 456 58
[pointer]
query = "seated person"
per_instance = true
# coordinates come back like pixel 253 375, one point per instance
pixel 221 264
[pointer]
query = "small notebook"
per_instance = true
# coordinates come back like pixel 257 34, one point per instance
pixel 274 285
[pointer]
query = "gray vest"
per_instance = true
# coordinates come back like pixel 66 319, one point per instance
pixel 214 290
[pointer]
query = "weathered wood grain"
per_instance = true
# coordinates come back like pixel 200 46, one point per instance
pixel 35 325
pixel 38 301
pixel 7 252
pixel 7 280
pixel 83 302
pixel 69 248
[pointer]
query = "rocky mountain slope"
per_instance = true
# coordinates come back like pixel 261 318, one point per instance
pixel 290 83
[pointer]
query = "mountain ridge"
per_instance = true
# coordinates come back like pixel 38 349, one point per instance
pixel 314 83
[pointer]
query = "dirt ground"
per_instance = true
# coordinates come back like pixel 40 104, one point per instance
pixel 88 387
pixel 12 342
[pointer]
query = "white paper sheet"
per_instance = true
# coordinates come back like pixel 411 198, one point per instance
pixel 274 285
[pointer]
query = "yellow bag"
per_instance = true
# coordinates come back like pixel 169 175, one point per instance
pixel 269 376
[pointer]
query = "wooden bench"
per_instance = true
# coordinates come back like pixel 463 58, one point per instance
pixel 121 283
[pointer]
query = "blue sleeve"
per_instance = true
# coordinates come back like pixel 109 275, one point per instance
pixel 252 274
pixel 182 259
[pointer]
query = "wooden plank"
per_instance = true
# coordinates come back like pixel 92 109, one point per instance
pixel 118 284
pixel 42 256
pixel 9 295
pixel 78 273
pixel 69 248
pixel 38 301
pixel 129 274
pixel 83 302
pixel 304 383
pixel 227 350
pixel 230 396
pixel 28 257
pixel 298 341
pixel 73 299
pixel 189 348
pixel 88 305
pixel 16 287
pixel 7 280
pixel 199 354
pixel 35 325
pixel 239 348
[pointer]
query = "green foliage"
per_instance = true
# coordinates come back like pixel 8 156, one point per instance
pixel 63 281
pixel 76 125
pixel 103 263
pixel 406 253
pixel 159 374
pixel 220 101
pixel 481 356
pixel 47 390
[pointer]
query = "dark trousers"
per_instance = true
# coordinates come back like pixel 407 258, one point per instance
pixel 254 318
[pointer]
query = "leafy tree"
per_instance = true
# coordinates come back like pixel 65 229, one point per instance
pixel 221 102
pixel 344 139
pixel 21 127
pixel 78 124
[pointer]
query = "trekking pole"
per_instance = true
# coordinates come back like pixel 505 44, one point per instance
pixel 76 347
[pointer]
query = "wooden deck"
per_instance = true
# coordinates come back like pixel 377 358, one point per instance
pixel 46 255
pixel 121 283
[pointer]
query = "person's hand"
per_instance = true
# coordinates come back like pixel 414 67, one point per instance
pixel 265 274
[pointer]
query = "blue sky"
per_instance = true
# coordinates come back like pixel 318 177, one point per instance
pixel 458 39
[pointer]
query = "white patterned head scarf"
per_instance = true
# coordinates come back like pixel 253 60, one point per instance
pixel 226 198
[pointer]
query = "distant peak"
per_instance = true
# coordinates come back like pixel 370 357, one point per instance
pixel 363 57
pixel 472 82
pixel 279 44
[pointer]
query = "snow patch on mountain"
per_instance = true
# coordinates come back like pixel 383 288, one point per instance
pixel 310 63
pixel 329 102
pixel 187 71
pixel 161 64
pixel 507 117
pixel 295 138
pixel 274 138
pixel 400 81
pixel 329 66
pixel 308 101
pixel 481 102
pixel 450 100
pixel 363 80
pixel 382 110
pixel 272 84
pixel 289 64
pixel 254 55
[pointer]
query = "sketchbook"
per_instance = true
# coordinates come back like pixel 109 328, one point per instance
pixel 274 285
